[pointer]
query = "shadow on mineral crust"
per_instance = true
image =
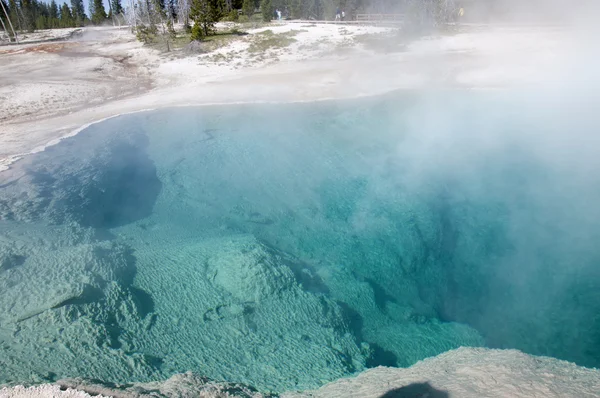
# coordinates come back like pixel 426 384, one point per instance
pixel 416 390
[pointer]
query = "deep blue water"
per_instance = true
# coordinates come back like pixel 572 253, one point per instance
pixel 285 246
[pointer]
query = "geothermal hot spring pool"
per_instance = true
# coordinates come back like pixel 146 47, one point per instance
pixel 286 246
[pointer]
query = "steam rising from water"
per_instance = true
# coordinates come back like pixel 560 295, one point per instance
pixel 285 246
pixel 247 242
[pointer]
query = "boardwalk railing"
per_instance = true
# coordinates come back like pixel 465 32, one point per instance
pixel 360 19
pixel 379 17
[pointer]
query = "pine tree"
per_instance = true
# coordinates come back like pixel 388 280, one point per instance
pixel 266 9
pixel 63 14
pixel 116 7
pixel 205 13
pixel 66 18
pixel 14 15
pixel 5 19
pixel 164 23
pixel 171 10
pixel 53 15
pixel 78 12
pixel 28 15
pixel 248 8
pixel 298 9
pixel 99 13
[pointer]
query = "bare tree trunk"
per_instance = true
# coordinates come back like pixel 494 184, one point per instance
pixel 112 16
pixel 183 11
pixel 9 22
pixel 164 34
pixel 148 12
pixel 4 28
pixel 134 15
pixel 20 11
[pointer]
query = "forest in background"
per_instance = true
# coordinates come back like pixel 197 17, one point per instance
pixel 30 15
pixel 149 17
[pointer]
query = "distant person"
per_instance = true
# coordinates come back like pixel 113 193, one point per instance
pixel 279 15
pixel 338 14
pixel 343 15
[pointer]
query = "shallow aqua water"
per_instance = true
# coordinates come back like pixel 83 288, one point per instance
pixel 285 246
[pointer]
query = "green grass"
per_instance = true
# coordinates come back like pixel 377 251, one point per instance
pixel 208 43
pixel 267 40
pixel 175 43
pixel 221 39
pixel 254 22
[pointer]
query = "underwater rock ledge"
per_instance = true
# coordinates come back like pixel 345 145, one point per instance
pixel 464 372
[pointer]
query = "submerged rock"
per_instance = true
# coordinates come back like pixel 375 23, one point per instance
pixel 236 299
pixel 67 307
pixel 229 308
pixel 107 182
pixel 44 274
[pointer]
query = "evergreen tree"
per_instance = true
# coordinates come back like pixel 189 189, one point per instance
pixel 116 7
pixel 53 11
pixel 165 23
pixel 40 14
pixel 248 8
pixel 4 7
pixel 13 15
pixel 5 18
pixel 78 12
pixel 266 9
pixel 66 17
pixel 28 15
pixel 99 14
pixel 171 10
pixel 10 14
pixel 205 13
pixel 298 9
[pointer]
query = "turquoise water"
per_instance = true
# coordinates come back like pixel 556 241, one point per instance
pixel 285 246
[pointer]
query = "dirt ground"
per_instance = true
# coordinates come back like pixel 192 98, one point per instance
pixel 52 79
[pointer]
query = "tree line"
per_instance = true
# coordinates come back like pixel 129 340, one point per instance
pixel 152 17
pixel 205 13
pixel 29 15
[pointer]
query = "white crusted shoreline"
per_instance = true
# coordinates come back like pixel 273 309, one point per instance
pixel 116 75
pixel 464 373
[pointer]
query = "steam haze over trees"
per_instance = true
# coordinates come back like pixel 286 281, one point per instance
pixel 29 15
pixel 199 16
